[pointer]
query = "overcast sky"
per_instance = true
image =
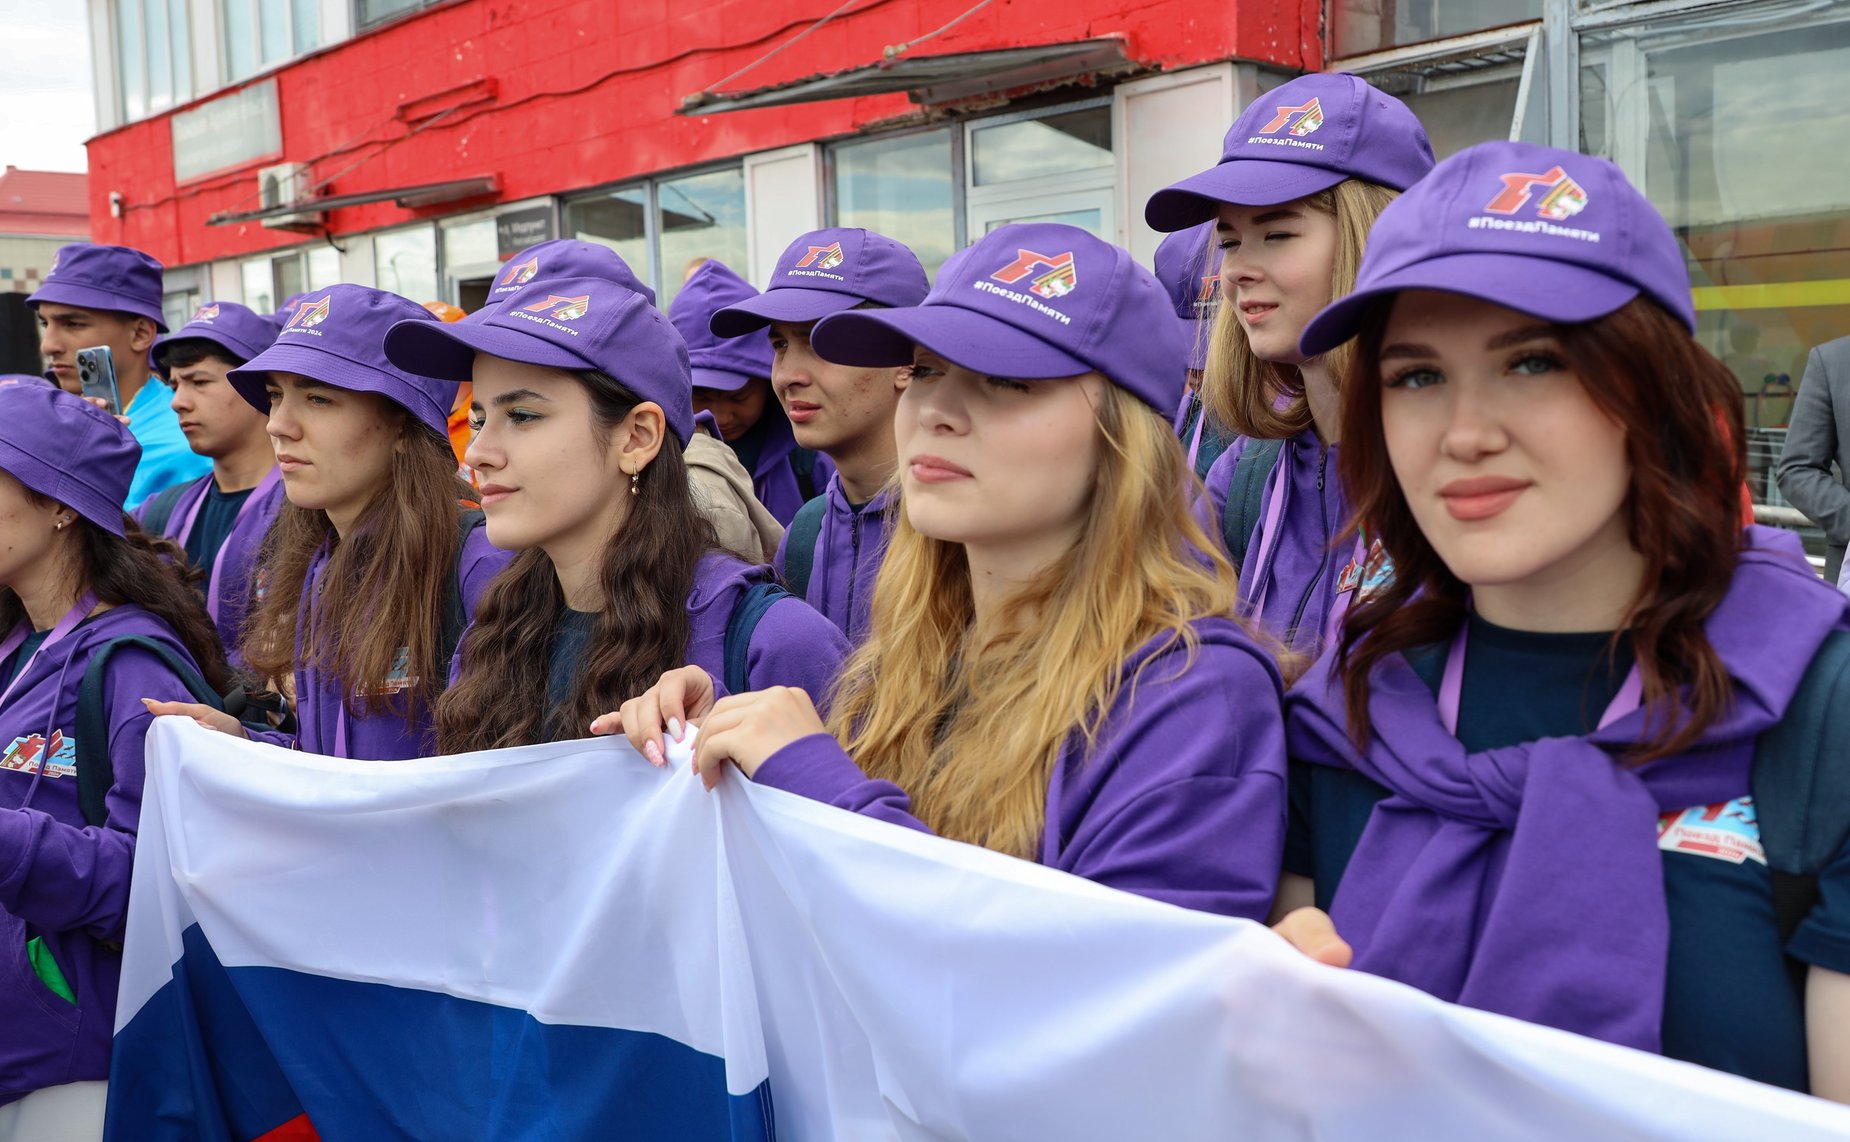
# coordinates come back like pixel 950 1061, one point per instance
pixel 46 106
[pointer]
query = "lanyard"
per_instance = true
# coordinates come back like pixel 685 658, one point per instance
pixel 65 626
pixel 1452 682
pixel 218 560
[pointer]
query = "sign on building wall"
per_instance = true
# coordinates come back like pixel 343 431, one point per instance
pixel 233 131
pixel 515 230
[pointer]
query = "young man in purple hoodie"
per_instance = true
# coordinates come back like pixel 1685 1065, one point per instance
pixel 732 381
pixel 834 545
pixel 73 580
pixel 221 518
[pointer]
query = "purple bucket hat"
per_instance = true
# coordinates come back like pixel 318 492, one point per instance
pixel 1188 265
pixel 285 311
pixel 1295 140
pixel 236 329
pixel 724 363
pixel 560 258
pixel 828 271
pixel 1033 300
pixel 64 447
pixel 1556 234
pixel 572 324
pixel 337 336
pixel 114 278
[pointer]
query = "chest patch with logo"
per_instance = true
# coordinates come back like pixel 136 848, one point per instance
pixel 1728 831
pixel 25 753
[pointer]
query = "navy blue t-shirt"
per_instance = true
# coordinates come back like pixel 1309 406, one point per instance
pixel 569 640
pixel 213 524
pixel 1730 1002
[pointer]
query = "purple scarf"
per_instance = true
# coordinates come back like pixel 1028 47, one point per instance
pixel 1527 880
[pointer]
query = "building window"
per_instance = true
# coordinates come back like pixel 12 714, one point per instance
pixel 259 284
pixel 259 33
pixel 273 279
pixel 1051 165
pixel 405 262
pixel 373 12
pixel 903 186
pixel 154 65
pixel 1466 91
pixel 663 227
pixel 1361 26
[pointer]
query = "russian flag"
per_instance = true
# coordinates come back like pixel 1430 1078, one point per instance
pixel 563 943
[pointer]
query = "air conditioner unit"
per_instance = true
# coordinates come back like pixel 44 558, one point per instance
pixel 288 184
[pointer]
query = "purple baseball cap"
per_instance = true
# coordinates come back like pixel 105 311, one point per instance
pixel 285 311
pixel 1556 234
pixel 1032 301
pixel 1297 139
pixel 828 271
pixel 724 363
pixel 236 329
pixel 337 337
pixel 560 258
pixel 573 324
pixel 1188 265
pixel 114 278
pixel 64 447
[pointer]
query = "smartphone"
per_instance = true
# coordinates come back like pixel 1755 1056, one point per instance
pixel 96 372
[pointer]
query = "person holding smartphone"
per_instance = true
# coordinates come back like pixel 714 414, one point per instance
pixel 110 297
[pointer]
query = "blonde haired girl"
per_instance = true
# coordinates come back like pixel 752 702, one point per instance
pixel 1052 658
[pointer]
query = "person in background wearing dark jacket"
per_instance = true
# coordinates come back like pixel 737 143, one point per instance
pixel 842 411
pixel 1053 670
pixel 732 381
pixel 1818 437
pixel 73 578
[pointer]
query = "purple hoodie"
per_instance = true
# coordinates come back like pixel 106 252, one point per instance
pixel 1183 798
pixel 791 646
pixel 59 879
pixel 850 546
pixel 325 726
pixel 1527 880
pixel 228 583
pixel 1297 579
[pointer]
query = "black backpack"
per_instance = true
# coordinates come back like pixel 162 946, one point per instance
pixel 800 545
pixel 753 602
pixel 96 772
pixel 1245 495
pixel 157 512
pixel 1801 784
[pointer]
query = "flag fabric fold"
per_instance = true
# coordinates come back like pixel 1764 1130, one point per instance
pixel 564 942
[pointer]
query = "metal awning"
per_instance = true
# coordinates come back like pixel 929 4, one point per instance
pixel 929 79
pixel 409 197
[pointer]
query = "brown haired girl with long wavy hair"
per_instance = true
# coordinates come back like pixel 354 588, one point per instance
pixel 1052 668
pixel 367 574
pixel 1306 170
pixel 582 405
pixel 1532 778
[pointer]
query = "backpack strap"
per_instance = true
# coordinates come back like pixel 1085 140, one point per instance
pixel 1246 494
pixel 803 465
pixel 455 614
pixel 157 513
pixel 1801 783
pixel 96 772
pixel 753 602
pixel 800 545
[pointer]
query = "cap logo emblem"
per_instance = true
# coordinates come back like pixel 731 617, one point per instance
pixel 823 257
pixel 1309 117
pixel 1053 276
pixel 206 312
pixel 520 273
pixel 1562 197
pixel 561 308
pixel 308 316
